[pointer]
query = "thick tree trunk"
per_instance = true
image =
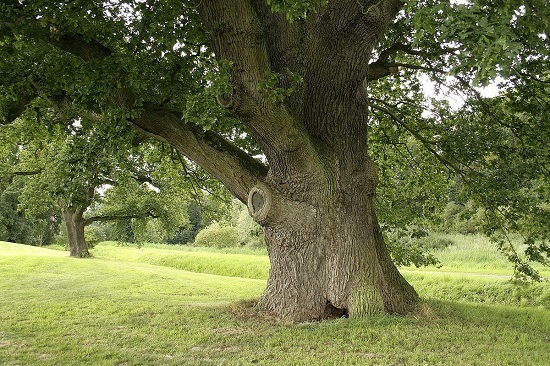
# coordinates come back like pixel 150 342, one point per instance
pixel 315 205
pixel 328 258
pixel 74 222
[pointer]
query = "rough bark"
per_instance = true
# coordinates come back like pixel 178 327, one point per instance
pixel 238 171
pixel 74 222
pixel 315 205
pixel 327 254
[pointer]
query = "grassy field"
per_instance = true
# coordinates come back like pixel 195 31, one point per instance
pixel 162 305
pixel 475 254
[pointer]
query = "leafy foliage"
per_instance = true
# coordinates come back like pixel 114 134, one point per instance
pixel 490 158
pixel 73 163
pixel 218 235
pixel 236 230
pixel 250 233
pixel 20 227
pixel 490 171
pixel 186 234
pixel 296 9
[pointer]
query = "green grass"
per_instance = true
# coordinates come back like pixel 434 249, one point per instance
pixel 475 254
pixel 198 260
pixel 433 283
pixel 115 309
pixel 479 289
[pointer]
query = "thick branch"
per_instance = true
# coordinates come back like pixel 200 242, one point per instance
pixel 336 52
pixel 30 172
pixel 15 109
pixel 237 170
pixel 354 23
pixel 90 192
pixel 383 67
pixel 77 45
pixel 12 175
pixel 236 35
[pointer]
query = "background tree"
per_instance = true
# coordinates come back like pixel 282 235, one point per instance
pixel 35 228
pixel 187 234
pixel 69 167
pixel 20 227
pixel 152 203
pixel 302 82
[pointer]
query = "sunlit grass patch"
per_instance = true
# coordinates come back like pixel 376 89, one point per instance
pixel 11 249
pixel 56 310
pixel 478 288
pixel 474 253
pixel 60 310
pixel 431 283
pixel 191 259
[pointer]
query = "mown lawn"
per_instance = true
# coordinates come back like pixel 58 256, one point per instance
pixel 114 309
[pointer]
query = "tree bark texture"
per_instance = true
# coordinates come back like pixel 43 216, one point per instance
pixel 315 204
pixel 74 222
pixel 327 254
pixel 315 198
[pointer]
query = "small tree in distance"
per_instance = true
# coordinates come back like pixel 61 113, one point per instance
pixel 68 168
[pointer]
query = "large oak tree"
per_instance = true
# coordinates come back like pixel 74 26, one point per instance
pixel 223 81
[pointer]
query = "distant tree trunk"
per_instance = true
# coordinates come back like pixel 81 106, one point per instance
pixel 74 222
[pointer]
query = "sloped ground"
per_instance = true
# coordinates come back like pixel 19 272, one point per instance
pixel 55 310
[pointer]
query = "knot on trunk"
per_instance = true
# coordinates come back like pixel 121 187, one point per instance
pixel 260 200
pixel 226 99
pixel 269 207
